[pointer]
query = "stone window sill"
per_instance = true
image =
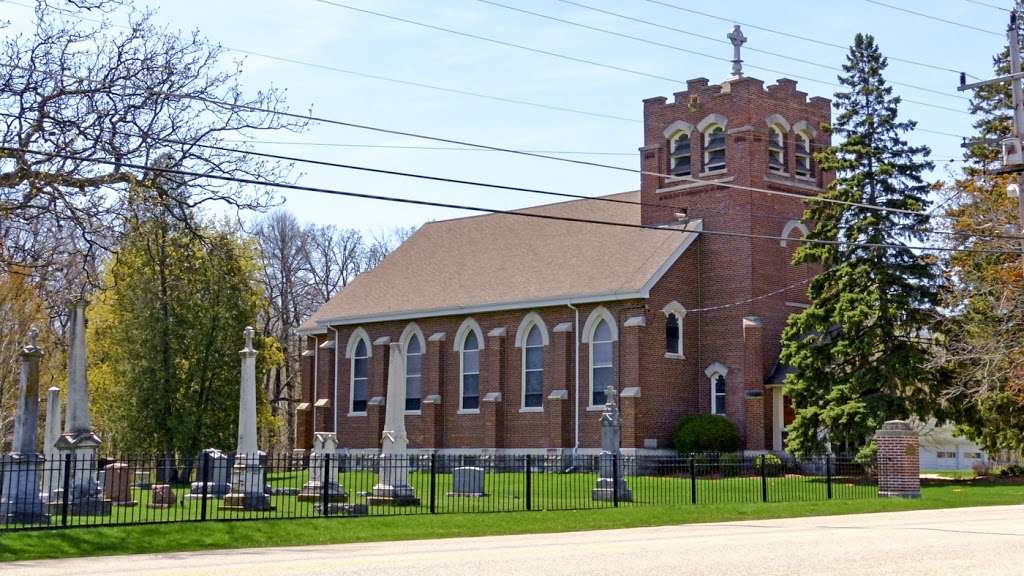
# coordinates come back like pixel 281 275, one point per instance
pixel 531 409
pixel 463 412
pixel 597 408
pixel 672 356
pixel 779 173
pixel 357 413
pixel 718 172
pixel 413 412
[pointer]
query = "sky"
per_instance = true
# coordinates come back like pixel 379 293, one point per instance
pixel 328 35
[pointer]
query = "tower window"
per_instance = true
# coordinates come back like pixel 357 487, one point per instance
pixel 679 152
pixel 714 148
pixel 776 149
pixel 803 155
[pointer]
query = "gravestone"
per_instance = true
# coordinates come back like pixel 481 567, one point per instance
pixel 393 486
pixel 79 441
pixel 323 484
pixel 611 438
pixel 467 481
pixel 162 496
pixel 53 470
pixel 142 479
pixel 117 484
pixel 217 475
pixel 248 484
pixel 21 502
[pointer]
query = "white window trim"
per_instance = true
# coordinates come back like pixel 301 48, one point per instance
pixel 717 369
pixel 464 328
pixel 679 311
pixel 460 346
pixel 589 327
pixel 781 131
pixel 524 337
pixel 530 320
pixel 412 330
pixel 350 350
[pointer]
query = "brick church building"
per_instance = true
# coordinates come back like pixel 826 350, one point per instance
pixel 512 327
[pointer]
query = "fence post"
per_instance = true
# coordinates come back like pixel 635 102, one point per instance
pixel 433 482
pixel 529 485
pixel 204 477
pixel 325 483
pixel 66 492
pixel 764 481
pixel 615 480
pixel 693 481
pixel 828 474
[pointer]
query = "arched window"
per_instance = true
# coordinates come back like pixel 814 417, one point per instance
pixel 413 372
pixel 718 393
pixel 776 148
pixel 470 393
pixel 679 154
pixel 601 372
pixel 803 154
pixel 714 148
pixel 673 335
pixel 533 369
pixel 360 377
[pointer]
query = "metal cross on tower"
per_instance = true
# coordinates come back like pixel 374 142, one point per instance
pixel 738 40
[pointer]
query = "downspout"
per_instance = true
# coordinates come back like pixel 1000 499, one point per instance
pixel 337 353
pixel 576 385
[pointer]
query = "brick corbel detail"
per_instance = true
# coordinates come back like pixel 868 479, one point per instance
pixel 433 376
pixel 753 385
pixel 493 388
pixel 378 385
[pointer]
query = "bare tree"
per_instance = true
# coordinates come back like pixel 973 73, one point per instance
pixel 84 108
pixel 334 257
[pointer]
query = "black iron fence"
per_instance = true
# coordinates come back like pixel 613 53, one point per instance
pixel 69 492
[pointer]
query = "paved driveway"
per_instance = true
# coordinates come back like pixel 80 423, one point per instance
pixel 966 541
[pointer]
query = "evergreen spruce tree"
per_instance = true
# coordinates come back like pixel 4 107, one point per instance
pixel 859 352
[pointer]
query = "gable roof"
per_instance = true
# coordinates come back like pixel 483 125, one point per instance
pixel 502 261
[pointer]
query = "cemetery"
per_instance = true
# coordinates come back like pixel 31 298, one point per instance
pixel 70 482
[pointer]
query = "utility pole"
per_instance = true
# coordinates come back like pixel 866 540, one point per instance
pixel 1013 151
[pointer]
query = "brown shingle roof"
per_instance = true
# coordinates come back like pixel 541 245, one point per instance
pixel 501 261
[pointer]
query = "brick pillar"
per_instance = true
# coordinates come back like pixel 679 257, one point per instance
pixel 432 407
pixel 629 361
pixel 324 385
pixel 753 385
pixel 304 410
pixel 557 419
pixel 558 406
pixel 378 385
pixel 493 388
pixel 629 408
pixel 899 464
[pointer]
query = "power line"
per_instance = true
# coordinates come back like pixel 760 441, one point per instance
pixel 496 186
pixel 796 36
pixel 378 77
pixel 587 61
pixel 379 197
pixel 935 18
pixel 987 5
pixel 436 87
pixel 721 41
pixel 311 118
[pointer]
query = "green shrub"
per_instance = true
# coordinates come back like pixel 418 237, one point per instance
pixel 772 464
pixel 706 433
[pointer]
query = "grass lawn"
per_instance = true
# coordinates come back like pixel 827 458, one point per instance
pixel 218 535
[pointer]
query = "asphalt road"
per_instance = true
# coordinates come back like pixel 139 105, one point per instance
pixel 966 541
